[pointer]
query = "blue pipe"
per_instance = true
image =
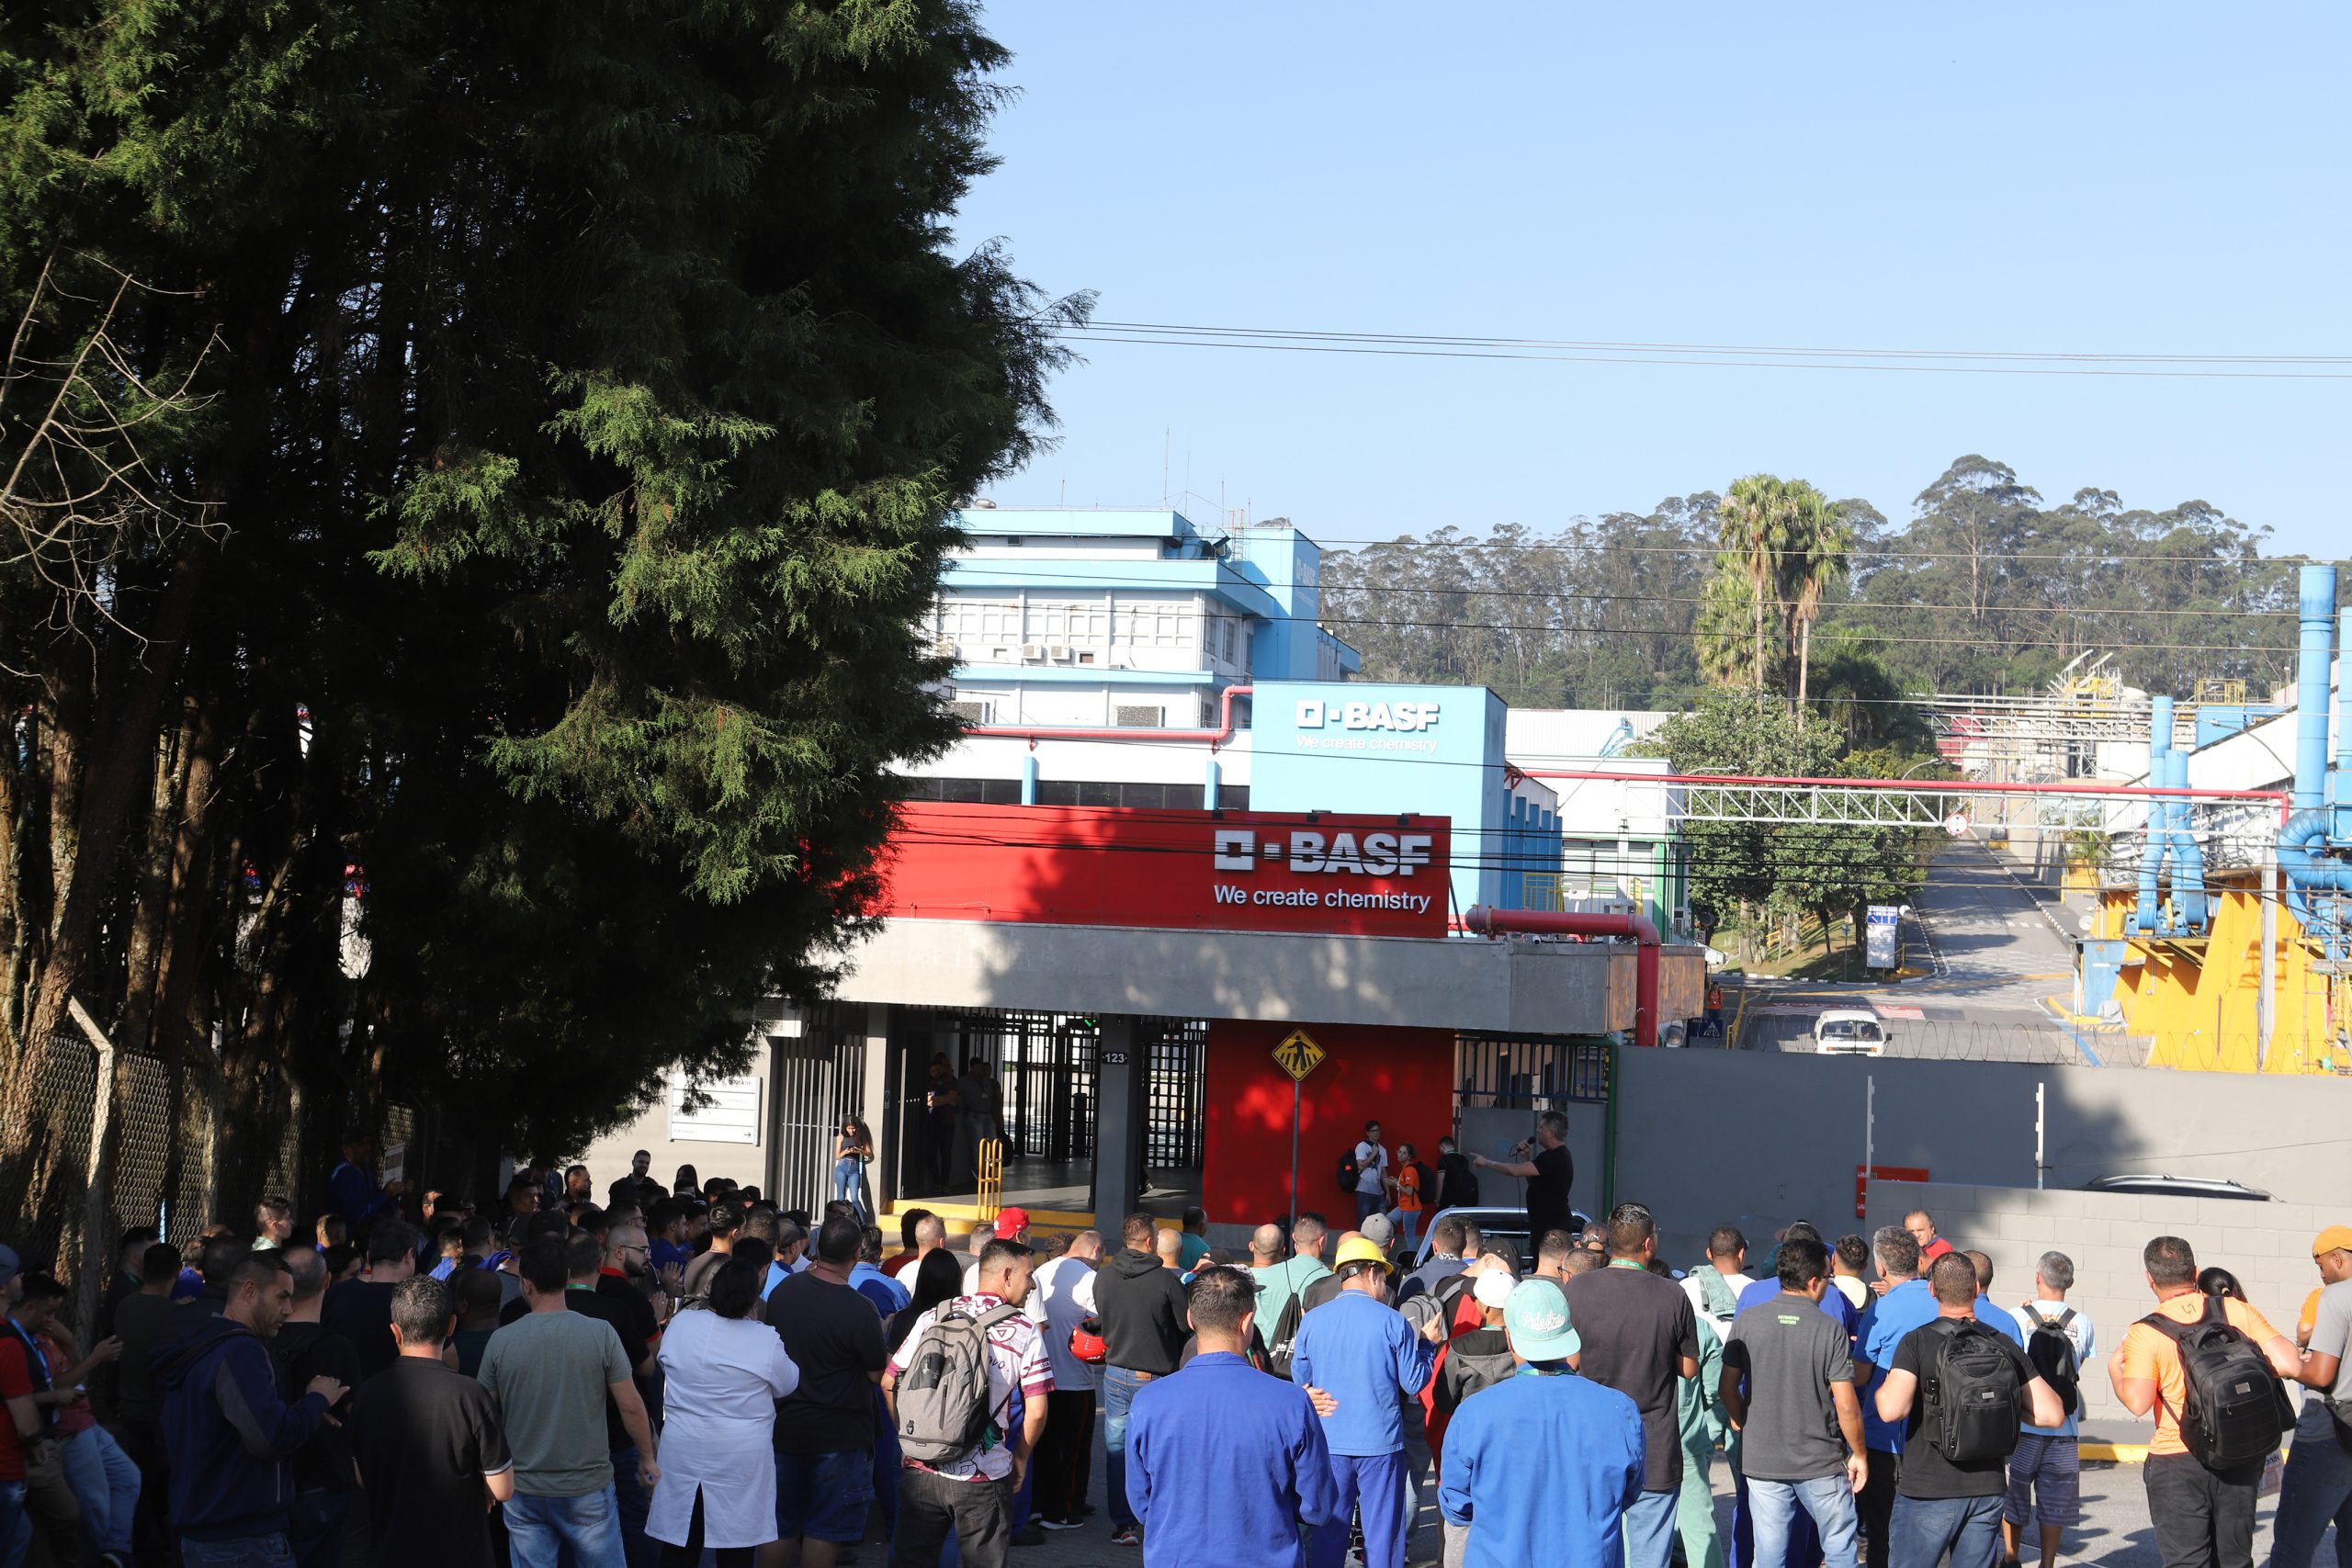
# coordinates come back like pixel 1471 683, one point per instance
pixel 2304 870
pixel 2151 852
pixel 2317 611
pixel 2187 860
pixel 2341 832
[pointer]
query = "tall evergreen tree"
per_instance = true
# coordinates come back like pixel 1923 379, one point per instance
pixel 524 591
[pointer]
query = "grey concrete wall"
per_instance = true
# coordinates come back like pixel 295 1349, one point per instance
pixel 1492 1132
pixel 1503 986
pixel 1756 1140
pixel 2266 1246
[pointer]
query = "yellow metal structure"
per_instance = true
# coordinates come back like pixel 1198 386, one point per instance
pixel 2196 997
pixel 990 1158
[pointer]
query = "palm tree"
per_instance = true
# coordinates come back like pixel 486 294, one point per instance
pixel 1752 525
pixel 1813 557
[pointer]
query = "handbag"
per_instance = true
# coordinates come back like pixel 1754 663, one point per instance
pixel 1086 1342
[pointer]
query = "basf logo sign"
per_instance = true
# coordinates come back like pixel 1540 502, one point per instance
pixel 1234 870
pixel 1325 725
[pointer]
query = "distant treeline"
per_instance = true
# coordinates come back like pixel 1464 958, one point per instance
pixel 1986 588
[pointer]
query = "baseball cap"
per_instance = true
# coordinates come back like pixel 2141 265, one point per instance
pixel 1493 1289
pixel 1536 1319
pixel 1378 1230
pixel 9 1264
pixel 1358 1249
pixel 2333 1239
pixel 1009 1223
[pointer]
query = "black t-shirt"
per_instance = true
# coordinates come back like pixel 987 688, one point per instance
pixel 1547 1194
pixel 1928 1476
pixel 301 1352
pixel 1636 1329
pixel 361 1310
pixel 1457 1182
pixel 605 1309
pixel 835 1337
pixel 424 1437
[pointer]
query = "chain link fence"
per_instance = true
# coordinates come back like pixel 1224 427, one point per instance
pixel 159 1165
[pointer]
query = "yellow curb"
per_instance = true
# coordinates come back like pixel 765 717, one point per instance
pixel 2115 1453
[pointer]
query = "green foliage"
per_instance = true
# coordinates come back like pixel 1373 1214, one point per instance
pixel 595 382
pixel 1826 870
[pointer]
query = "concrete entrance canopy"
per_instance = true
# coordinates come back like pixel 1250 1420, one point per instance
pixel 1509 986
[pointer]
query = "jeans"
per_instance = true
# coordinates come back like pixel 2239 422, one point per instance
pixel 1367 1205
pixel 15 1525
pixel 2317 1488
pixel 542 1532
pixel 1923 1530
pixel 1801 1546
pixel 1377 1483
pixel 107 1483
pixel 1649 1529
pixel 1119 1387
pixel 932 1508
pixel 1828 1500
pixel 314 1528
pixel 2204 1518
pixel 245 1551
pixel 846 1185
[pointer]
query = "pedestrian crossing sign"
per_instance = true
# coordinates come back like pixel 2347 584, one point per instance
pixel 1299 1053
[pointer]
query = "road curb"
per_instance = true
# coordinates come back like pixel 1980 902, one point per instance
pixel 2115 1454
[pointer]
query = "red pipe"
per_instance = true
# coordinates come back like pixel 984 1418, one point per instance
pixel 1554 922
pixel 1215 737
pixel 1928 786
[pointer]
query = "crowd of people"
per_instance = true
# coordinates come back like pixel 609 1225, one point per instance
pixel 666 1373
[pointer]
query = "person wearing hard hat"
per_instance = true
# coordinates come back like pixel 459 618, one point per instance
pixel 1541 1466
pixel 1362 1352
pixel 2318 1483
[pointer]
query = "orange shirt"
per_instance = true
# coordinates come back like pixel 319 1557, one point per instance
pixel 2148 1354
pixel 1409 1190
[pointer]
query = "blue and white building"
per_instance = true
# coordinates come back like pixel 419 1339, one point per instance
pixel 1137 619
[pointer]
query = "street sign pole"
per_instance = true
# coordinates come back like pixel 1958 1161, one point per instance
pixel 1295 1085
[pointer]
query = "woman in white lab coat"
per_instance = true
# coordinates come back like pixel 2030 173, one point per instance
pixel 723 1371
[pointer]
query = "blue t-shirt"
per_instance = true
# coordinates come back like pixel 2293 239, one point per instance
pixel 1366 1356
pixel 1541 1468
pixel 1908 1305
pixel 1833 1302
pixel 1998 1319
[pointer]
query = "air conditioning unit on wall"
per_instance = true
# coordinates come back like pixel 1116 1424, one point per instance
pixel 1127 715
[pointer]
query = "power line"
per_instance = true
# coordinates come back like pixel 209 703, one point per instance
pixel 1045 573
pixel 1267 341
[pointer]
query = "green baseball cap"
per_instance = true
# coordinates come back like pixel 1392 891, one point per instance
pixel 1536 1320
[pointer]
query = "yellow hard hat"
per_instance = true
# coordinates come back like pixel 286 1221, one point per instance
pixel 1358 1249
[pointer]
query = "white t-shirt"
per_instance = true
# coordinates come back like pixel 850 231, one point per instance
pixel 1061 1296
pixel 1018 1372
pixel 1696 1289
pixel 2331 1335
pixel 1371 1164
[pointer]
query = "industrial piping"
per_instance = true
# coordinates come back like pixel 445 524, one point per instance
pixel 2305 836
pixel 2158 839
pixel 1484 921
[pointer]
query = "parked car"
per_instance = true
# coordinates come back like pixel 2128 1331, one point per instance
pixel 1848 1031
pixel 1495 1224
pixel 2177 1187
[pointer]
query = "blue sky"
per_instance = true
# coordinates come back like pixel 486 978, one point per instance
pixel 2109 179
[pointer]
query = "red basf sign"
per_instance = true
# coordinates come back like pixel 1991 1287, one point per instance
pixel 1207 870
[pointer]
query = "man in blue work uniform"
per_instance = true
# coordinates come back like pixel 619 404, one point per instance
pixel 352 1189
pixel 1365 1354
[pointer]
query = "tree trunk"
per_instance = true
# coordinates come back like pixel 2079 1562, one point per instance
pixel 107 789
pixel 1804 665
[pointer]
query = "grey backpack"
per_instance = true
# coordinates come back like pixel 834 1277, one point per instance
pixel 944 1415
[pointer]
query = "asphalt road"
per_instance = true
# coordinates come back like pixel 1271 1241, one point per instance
pixel 1995 954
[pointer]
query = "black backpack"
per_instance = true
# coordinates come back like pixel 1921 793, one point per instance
pixel 2053 1355
pixel 1349 1171
pixel 2231 1416
pixel 1974 1398
pixel 1285 1337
